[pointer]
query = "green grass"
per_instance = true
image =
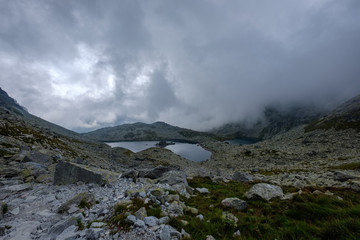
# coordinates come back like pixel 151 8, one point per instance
pixel 338 123
pixel 347 166
pixel 307 216
pixel 80 225
pixel 4 208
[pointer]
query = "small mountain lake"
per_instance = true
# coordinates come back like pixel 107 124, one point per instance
pixel 193 152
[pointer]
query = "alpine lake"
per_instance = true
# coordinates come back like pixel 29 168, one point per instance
pixel 190 151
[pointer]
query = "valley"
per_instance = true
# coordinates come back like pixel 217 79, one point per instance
pixel 58 184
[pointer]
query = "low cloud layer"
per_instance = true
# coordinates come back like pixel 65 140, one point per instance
pixel 87 64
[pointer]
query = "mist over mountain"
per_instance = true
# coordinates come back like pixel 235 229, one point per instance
pixel 274 120
pixel 92 64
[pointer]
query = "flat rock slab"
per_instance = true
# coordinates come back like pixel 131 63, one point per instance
pixel 23 231
pixel 9 190
pixel 68 173
pixel 17 188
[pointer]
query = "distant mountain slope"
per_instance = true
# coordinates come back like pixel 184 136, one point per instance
pixel 148 132
pixel 345 116
pixel 24 133
pixel 275 120
pixel 9 104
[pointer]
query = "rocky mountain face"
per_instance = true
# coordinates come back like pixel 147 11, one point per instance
pixel 57 184
pixel 148 132
pixel 9 104
pixel 275 120
pixel 346 116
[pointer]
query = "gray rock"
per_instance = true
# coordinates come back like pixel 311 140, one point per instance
pixel 68 173
pixel 18 188
pixel 76 200
pixel 342 177
pixel 141 214
pixel 230 218
pixel 169 233
pixel 10 190
pixel 9 172
pixel 209 237
pixel 235 203
pixel 73 209
pixel 15 211
pixel 2 231
pixel 174 177
pixel 69 233
pixel 130 174
pixel 165 233
pixel 237 234
pixel 200 217
pixel 37 157
pixel 45 213
pixel 265 191
pixel 30 199
pixel 142 194
pixel 156 172
pixel 172 197
pixel 151 221
pixel 139 223
pixel 24 230
pixel 93 233
pixel 202 190
pixel 58 228
pixel 131 219
pixel 97 225
pixel 242 177
pixel 184 234
pixel 164 220
pixel 175 209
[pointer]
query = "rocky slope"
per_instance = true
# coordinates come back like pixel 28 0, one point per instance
pixel 148 132
pixel 274 120
pixel 312 154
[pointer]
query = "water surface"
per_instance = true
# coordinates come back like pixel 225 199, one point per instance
pixel 193 152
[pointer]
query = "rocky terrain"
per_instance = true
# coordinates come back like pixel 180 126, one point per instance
pixel 57 184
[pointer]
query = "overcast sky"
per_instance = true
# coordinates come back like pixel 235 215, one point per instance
pixel 87 64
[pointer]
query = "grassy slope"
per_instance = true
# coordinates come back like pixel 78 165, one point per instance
pixel 307 216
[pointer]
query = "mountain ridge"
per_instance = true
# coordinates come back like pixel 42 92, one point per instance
pixel 148 132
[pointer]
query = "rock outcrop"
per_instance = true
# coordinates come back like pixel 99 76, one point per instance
pixel 67 173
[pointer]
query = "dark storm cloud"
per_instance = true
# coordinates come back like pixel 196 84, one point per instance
pixel 87 64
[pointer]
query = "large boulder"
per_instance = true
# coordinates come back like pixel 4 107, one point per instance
pixel 265 191
pixel 174 177
pixel 68 173
pixel 37 157
pixel 235 203
pixel 156 172
pixel 342 177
